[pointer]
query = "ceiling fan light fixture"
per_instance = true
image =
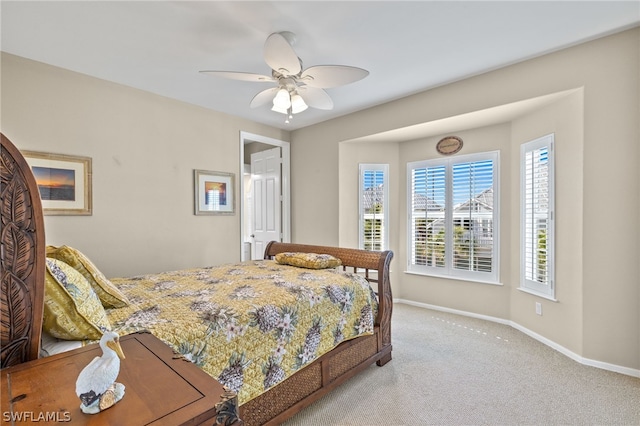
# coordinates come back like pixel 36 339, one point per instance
pixel 296 88
pixel 281 110
pixel 298 104
pixel 282 100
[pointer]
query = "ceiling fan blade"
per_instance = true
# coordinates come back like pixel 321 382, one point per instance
pixel 315 97
pixel 327 76
pixel 264 97
pixel 280 56
pixel 243 76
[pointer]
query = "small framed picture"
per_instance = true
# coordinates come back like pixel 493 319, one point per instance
pixel 64 182
pixel 214 193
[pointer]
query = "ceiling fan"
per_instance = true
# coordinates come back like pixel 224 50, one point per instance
pixel 296 88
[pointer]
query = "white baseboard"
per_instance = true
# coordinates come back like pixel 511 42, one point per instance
pixel 582 360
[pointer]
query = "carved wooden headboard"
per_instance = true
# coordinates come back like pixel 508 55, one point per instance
pixel 22 258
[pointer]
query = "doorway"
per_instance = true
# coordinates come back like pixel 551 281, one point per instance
pixel 279 210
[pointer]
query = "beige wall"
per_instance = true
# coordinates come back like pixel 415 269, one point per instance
pixel 144 150
pixel 597 315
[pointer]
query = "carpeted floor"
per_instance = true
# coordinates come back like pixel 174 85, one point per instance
pixel 454 370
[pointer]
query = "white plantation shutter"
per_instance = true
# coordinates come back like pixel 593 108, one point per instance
pixel 473 215
pixel 536 216
pixel 427 210
pixel 373 209
pixel 453 211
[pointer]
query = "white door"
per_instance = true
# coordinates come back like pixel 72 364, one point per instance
pixel 266 173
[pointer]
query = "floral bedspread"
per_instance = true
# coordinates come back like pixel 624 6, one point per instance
pixel 249 325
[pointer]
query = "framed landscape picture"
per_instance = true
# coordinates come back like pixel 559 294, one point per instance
pixel 64 182
pixel 214 193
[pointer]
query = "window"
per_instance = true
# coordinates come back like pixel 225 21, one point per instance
pixel 374 189
pixel 536 216
pixel 453 217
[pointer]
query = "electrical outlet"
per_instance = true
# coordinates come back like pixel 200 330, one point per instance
pixel 538 308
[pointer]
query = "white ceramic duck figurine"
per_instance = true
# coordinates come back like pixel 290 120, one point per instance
pixel 96 385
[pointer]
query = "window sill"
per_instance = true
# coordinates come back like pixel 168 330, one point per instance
pixel 534 293
pixel 449 277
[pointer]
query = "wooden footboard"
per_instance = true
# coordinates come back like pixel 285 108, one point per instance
pixel 332 369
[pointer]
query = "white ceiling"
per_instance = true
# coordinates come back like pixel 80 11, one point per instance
pixel 408 47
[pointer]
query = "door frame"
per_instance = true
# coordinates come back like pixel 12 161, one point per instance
pixel 246 137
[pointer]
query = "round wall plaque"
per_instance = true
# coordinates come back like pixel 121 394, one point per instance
pixel 449 145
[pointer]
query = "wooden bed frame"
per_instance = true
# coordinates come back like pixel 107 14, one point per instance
pixel 23 267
